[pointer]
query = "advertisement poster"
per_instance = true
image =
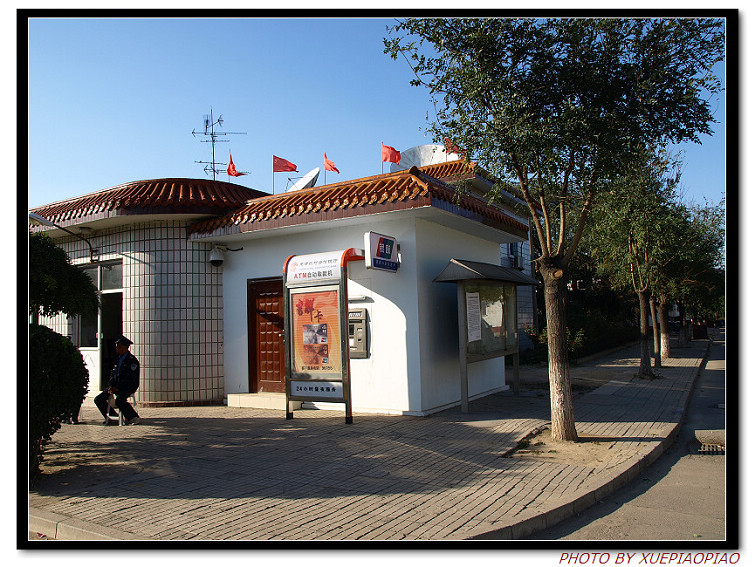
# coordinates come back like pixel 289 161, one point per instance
pixel 474 319
pixel 316 334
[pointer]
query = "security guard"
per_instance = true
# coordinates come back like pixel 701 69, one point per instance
pixel 124 381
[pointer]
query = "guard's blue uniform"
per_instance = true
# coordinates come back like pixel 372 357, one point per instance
pixel 125 377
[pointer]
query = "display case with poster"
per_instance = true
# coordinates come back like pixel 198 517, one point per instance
pixel 316 334
pixel 315 328
pixel 491 319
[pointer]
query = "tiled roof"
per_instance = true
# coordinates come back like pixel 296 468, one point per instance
pixel 458 170
pixel 405 189
pixel 448 168
pixel 156 196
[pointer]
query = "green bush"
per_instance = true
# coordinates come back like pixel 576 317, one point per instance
pixel 594 335
pixel 57 387
pixel 575 340
pixel 602 334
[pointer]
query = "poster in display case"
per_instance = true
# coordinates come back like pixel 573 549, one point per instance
pixel 316 333
pixel 316 328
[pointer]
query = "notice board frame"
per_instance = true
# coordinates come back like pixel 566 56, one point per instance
pixel 327 277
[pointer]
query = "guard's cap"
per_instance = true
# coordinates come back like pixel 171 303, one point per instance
pixel 123 341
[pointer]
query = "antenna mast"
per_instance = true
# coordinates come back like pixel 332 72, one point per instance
pixel 209 132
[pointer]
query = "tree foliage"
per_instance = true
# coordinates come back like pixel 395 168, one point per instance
pixel 629 239
pixel 57 374
pixel 559 106
pixel 697 275
pixel 57 385
pixel 646 240
pixel 55 285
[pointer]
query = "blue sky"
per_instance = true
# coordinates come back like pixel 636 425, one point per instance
pixel 112 101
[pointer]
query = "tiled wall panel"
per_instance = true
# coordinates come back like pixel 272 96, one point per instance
pixel 525 294
pixel 172 308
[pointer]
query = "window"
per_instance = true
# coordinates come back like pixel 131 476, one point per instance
pixel 112 276
pixel 106 277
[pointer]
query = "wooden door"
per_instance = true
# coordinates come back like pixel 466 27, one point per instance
pixel 265 332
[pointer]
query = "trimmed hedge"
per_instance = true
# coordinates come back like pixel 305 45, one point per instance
pixel 57 386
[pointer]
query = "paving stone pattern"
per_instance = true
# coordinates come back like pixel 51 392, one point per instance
pixel 220 473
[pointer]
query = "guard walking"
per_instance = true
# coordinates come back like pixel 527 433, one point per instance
pixel 124 381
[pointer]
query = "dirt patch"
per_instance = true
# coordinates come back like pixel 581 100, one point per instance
pixel 588 452
pixel 621 365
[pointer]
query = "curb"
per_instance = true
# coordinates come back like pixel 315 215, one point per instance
pixel 58 526
pixel 550 518
pixel 711 436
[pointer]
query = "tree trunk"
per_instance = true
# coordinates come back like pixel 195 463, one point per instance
pixel 683 332
pixel 563 427
pixel 656 334
pixel 665 338
pixel 646 370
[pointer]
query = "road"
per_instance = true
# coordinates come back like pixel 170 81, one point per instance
pixel 682 496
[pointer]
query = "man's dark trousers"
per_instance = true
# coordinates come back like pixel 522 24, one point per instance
pixel 121 402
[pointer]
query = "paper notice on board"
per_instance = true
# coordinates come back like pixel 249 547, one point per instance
pixel 474 319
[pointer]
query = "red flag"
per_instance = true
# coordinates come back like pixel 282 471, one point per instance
pixel 329 165
pixel 390 154
pixel 453 148
pixel 280 164
pixel 232 168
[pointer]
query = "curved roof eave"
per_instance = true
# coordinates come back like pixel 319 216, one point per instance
pixel 169 196
pixel 404 189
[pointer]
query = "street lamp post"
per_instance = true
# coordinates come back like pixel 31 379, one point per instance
pixel 39 219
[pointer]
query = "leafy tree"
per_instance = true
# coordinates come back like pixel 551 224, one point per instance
pixel 57 373
pixel 558 106
pixel 55 285
pixel 699 272
pixel 693 275
pixel 629 238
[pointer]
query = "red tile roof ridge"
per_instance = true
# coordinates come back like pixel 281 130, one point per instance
pixel 405 185
pixel 141 186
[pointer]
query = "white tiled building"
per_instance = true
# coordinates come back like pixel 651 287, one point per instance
pixel 192 322
pixel 157 287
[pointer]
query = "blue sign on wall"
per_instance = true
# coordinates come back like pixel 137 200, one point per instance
pixel 382 252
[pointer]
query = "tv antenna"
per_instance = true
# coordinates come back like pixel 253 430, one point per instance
pixel 213 135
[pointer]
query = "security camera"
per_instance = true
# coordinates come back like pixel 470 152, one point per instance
pixel 217 256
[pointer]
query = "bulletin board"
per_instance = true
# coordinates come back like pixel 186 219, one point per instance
pixel 491 319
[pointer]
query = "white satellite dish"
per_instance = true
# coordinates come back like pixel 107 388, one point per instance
pixel 423 155
pixel 307 181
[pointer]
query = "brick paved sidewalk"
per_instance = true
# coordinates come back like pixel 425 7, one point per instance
pixel 219 473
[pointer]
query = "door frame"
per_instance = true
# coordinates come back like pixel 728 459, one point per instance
pixel 110 328
pixel 253 380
